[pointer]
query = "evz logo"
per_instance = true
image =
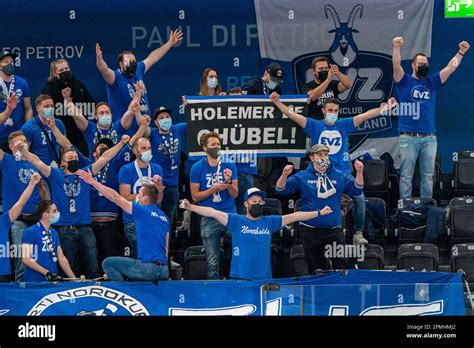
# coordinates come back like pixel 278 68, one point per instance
pixel 421 94
pixel 332 139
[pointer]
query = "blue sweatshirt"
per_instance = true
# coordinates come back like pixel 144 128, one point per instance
pixel 305 182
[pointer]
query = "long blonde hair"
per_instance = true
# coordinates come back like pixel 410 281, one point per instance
pixel 52 67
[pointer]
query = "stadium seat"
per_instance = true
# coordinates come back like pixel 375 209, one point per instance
pixel 463 174
pixel 418 257
pixel 461 214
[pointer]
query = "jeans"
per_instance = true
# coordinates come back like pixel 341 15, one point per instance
pixel 412 147
pixel 211 233
pixel 116 267
pixel 79 246
pixel 170 201
pixel 107 235
pixel 131 234
pixel 359 212
pixel 17 235
pixel 245 182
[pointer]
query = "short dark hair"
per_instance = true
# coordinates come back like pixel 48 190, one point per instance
pixel 135 143
pixel 41 98
pixel 121 54
pixel 317 60
pixel 151 191
pixel 235 90
pixel 71 149
pixel 205 137
pixel 416 56
pixel 42 207
pixel 101 104
pixel 330 101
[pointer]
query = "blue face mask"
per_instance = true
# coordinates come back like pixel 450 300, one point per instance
pixel 272 85
pixel 165 124
pixel 48 112
pixel 330 118
pixel 212 82
pixel 55 218
pixel 146 156
pixel 105 120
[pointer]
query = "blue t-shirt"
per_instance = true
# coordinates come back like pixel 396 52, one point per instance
pixel 421 117
pixel 5 224
pixel 128 175
pixel 166 149
pixel 120 94
pixel 34 236
pixel 251 257
pixel 39 144
pixel 16 176
pixel 22 91
pixel 205 175
pixel 108 176
pixel 152 226
pixel 63 188
pixel 93 134
pixel 335 137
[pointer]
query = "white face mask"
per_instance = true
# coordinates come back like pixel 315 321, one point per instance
pixel 330 118
pixel 105 120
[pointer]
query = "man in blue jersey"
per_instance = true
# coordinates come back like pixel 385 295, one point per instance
pixel 320 185
pixel 252 233
pixel 334 133
pixel 213 184
pixel 42 248
pixel 132 177
pixel 152 234
pixel 71 196
pixel 121 83
pixel 9 216
pixel 417 128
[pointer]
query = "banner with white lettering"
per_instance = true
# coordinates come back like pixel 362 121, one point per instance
pixel 247 125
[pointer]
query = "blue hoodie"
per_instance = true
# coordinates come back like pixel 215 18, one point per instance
pixel 305 182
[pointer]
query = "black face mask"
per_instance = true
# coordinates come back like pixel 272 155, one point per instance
pixel 130 69
pixel 323 75
pixel 255 210
pixel 8 69
pixel 213 152
pixel 65 76
pixel 102 151
pixel 73 166
pixel 422 71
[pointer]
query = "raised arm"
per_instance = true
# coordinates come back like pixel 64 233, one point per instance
pixel 317 92
pixel 397 59
pixel 133 107
pixel 299 119
pixel 205 211
pixel 73 111
pixel 281 182
pixel 15 211
pixel 344 82
pixel 305 215
pixel 62 140
pixel 233 184
pixel 156 55
pixel 106 72
pixel 383 108
pixel 12 102
pixel 454 62
pixel 109 155
pixel 33 159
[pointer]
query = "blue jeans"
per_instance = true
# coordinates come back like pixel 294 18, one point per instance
pixel 412 147
pixel 79 246
pixel 359 212
pixel 116 267
pixel 245 182
pixel 17 235
pixel 211 233
pixel 170 201
pixel 131 234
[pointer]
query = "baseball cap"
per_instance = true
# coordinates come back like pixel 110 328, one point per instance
pixel 159 110
pixel 105 141
pixel 254 191
pixel 275 70
pixel 317 148
pixel 7 54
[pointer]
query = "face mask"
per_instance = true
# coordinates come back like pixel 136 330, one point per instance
pixel 130 68
pixel 212 82
pixel 214 152
pixel 73 165
pixel 65 76
pixel 256 210
pixel 105 120
pixel 165 124
pixel 103 150
pixel 330 118
pixel 146 156
pixel 137 199
pixel 272 85
pixel 322 163
pixel 18 153
pixel 422 70
pixel 8 69
pixel 48 112
pixel 323 75
pixel 55 218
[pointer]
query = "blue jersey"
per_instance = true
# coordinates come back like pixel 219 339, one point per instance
pixel 306 181
pixel 335 137
pixel 152 226
pixel 16 176
pixel 93 134
pixel 67 188
pixel 421 95
pixel 108 176
pixel 166 150
pixel 20 87
pixel 251 239
pixel 206 176
pixel 34 236
pixel 129 175
pixel 39 144
pixel 5 224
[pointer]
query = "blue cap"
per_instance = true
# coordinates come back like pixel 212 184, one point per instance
pixel 254 192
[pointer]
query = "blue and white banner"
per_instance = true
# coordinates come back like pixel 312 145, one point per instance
pixel 357 36
pixel 248 125
pixel 357 292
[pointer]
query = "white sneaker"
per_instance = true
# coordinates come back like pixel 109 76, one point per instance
pixel 174 265
pixel 358 238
